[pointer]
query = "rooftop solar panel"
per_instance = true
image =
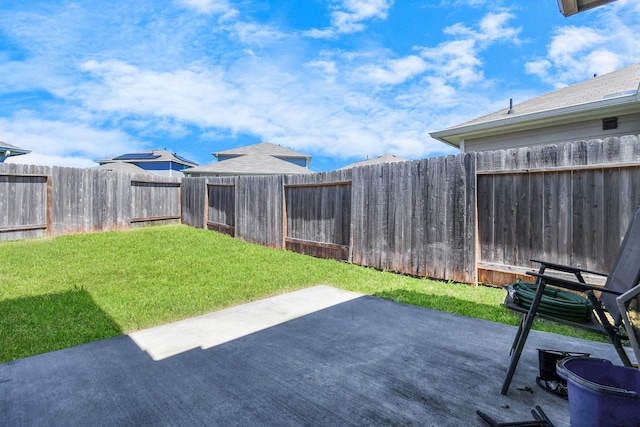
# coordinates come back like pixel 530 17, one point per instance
pixel 137 156
pixel 177 156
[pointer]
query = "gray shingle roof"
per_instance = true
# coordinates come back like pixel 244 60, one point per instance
pixel 385 158
pixel 122 167
pixel 4 146
pixel 250 164
pixel 618 83
pixel 262 148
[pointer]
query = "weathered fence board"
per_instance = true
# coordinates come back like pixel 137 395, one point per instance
pixel 318 216
pixel 221 207
pixel 259 210
pixel 569 203
pixel 41 200
pixel 194 201
pixel 417 217
pixel 23 212
pixel 155 199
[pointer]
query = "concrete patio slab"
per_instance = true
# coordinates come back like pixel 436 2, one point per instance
pixel 350 361
pixel 226 325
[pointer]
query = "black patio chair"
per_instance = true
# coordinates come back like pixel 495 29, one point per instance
pixel 624 275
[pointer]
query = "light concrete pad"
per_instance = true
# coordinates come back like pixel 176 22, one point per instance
pixel 222 326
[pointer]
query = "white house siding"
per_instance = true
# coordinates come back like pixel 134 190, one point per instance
pixel 584 130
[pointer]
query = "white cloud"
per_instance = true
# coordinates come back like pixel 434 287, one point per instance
pixel 458 62
pixel 394 71
pixel 493 27
pixel 606 43
pixel 350 16
pixel 257 35
pixel 216 7
pixel 55 142
pixel 327 67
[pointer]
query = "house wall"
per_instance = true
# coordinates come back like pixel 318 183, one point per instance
pixel 298 161
pixel 162 168
pixel 628 124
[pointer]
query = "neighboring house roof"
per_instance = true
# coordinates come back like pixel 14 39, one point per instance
pixel 8 150
pixel 148 157
pixel 122 167
pixel 385 158
pixel 249 164
pixel 614 93
pixel 263 148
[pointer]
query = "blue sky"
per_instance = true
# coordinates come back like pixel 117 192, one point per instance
pixel 341 80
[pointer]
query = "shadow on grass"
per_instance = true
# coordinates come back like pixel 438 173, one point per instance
pixel 44 323
pixel 450 304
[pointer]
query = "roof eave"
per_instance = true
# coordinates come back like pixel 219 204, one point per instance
pixel 538 119
pixel 14 152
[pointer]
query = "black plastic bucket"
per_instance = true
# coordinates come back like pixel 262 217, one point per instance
pixel 548 359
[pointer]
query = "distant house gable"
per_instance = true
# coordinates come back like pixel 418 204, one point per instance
pixel 604 106
pixel 249 164
pixel 385 158
pixel 121 167
pixel 258 159
pixel 266 148
pixel 159 162
pixel 8 150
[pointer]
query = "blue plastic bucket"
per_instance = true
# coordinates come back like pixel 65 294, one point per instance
pixel 600 393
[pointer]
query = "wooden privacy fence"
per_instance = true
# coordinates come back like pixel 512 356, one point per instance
pixel 411 217
pixel 570 204
pixel 473 217
pixel 38 201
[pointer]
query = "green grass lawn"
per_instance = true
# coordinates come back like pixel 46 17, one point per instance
pixel 69 290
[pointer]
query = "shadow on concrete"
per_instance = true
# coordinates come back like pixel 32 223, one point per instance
pixel 44 323
pixel 368 361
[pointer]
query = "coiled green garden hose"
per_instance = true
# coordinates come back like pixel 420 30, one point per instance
pixel 555 302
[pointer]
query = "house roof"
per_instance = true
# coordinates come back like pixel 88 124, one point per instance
pixel 263 148
pixel 385 158
pixel 11 150
pixel 613 93
pixel 249 164
pixel 122 167
pixel 148 157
